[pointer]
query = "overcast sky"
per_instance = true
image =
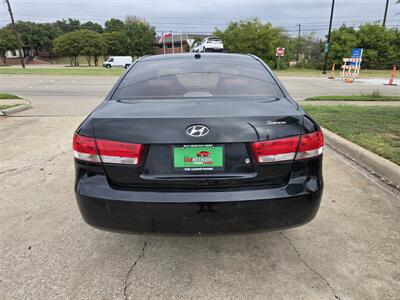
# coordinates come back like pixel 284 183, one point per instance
pixel 202 16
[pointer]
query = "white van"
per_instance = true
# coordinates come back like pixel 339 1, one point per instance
pixel 118 61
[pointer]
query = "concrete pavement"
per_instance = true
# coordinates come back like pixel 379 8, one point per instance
pixel 350 251
pixel 78 95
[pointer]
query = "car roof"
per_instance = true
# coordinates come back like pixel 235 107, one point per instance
pixel 228 56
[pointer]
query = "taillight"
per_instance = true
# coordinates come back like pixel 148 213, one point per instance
pixel 85 148
pixel 275 150
pixel 286 149
pixel 311 145
pixel 96 150
pixel 119 152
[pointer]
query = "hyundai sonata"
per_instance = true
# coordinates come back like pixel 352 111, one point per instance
pixel 198 143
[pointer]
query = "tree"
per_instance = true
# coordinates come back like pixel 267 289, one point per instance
pixel 37 36
pixel 114 25
pixel 92 26
pixel 380 45
pixel 114 43
pixel 92 45
pixel 309 47
pixel 68 25
pixel 7 43
pixel 80 42
pixel 140 37
pixel 69 44
pixel 342 41
pixel 254 37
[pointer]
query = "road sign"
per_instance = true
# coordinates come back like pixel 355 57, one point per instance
pixel 280 51
pixel 356 53
pixel 190 42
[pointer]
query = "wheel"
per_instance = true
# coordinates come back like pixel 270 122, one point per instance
pixel 127 66
pixel 108 66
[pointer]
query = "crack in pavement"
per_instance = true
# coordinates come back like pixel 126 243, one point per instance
pixel 308 266
pixel 130 270
pixel 27 167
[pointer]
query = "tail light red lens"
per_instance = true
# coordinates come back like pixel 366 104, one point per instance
pixel 275 150
pixel 85 149
pixel 96 150
pixel 120 153
pixel 311 145
pixel 286 149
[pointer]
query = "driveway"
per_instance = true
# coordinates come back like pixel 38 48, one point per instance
pixel 350 251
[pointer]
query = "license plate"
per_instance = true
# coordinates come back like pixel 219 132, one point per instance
pixel 198 157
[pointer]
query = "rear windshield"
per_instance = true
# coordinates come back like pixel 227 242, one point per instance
pixel 204 77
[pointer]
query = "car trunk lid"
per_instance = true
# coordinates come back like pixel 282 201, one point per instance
pixel 161 125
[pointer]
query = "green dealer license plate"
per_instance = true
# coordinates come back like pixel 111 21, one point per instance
pixel 198 157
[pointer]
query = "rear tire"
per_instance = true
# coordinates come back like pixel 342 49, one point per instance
pixel 126 66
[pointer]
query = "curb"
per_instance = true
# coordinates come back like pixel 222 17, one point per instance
pixel 383 168
pixel 12 110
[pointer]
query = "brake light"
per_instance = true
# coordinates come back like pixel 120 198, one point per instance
pixel 297 147
pixel 311 145
pixel 97 150
pixel 275 150
pixel 85 148
pixel 119 152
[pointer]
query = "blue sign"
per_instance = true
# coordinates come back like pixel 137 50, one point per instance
pixel 356 53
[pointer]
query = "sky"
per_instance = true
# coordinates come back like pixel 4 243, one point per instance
pixel 202 16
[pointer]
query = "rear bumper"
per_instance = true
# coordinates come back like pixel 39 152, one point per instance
pixel 197 212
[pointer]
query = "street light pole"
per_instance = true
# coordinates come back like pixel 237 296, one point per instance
pixel 328 39
pixel 298 45
pixel 386 10
pixel 21 55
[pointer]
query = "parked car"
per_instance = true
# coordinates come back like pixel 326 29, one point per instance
pixel 210 44
pixel 195 47
pixel 118 61
pixel 136 159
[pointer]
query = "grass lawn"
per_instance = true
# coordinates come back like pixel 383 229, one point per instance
pixel 64 71
pixel 354 98
pixel 84 70
pixel 376 128
pixel 312 72
pixel 5 106
pixel 8 96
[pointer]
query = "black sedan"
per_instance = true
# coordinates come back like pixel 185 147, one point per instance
pixel 198 143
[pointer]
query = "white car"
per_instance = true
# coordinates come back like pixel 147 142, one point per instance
pixel 209 44
pixel 118 61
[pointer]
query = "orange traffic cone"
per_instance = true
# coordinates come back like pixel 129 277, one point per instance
pixel 332 76
pixel 392 76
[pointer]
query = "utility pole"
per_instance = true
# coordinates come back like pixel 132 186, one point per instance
pixel 326 50
pixel 21 55
pixel 298 44
pixel 386 10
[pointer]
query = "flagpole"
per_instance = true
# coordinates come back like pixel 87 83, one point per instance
pixel 163 40
pixel 180 32
pixel 172 39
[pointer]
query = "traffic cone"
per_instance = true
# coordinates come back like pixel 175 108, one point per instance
pixel 392 76
pixel 332 76
pixel 348 80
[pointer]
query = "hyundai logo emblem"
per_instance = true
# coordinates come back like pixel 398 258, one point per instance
pixel 197 130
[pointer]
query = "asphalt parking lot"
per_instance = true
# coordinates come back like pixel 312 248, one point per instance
pixel 351 250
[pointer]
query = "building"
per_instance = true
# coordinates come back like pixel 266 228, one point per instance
pixel 177 43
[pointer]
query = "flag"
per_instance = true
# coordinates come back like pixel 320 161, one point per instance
pixel 165 35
